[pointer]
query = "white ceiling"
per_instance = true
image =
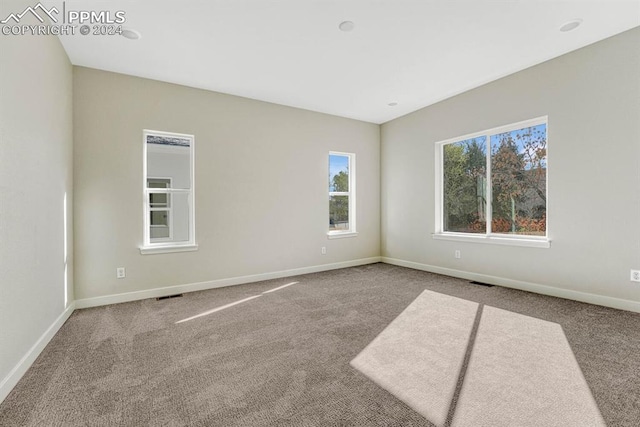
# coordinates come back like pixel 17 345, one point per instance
pixel 291 52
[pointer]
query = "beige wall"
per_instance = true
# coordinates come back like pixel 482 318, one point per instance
pixel 35 174
pixel 261 184
pixel 592 98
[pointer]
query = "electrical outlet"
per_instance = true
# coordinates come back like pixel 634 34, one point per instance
pixel 456 254
pixel 120 273
pixel 635 275
pixel 323 250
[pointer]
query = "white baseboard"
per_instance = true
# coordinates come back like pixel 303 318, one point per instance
pixel 10 381
pixel 201 286
pixel 618 303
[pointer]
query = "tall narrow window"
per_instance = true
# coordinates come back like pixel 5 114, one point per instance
pixel 169 217
pixel 342 194
pixel 493 184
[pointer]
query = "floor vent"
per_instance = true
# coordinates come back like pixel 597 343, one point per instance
pixel 169 296
pixel 482 284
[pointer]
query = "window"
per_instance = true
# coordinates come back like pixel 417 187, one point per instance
pixel 169 217
pixel 493 185
pixel 342 194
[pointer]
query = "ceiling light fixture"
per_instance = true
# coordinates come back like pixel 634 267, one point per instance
pixel 346 26
pixel 571 25
pixel 131 34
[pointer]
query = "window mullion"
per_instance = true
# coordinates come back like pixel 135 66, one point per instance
pixel 167 190
pixel 441 178
pixel 489 195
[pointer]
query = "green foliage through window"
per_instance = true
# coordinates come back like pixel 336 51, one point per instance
pixel 465 185
pixel 517 161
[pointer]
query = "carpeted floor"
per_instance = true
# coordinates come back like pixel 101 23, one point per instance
pixel 282 358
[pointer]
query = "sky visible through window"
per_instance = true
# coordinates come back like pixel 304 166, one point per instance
pixel 528 141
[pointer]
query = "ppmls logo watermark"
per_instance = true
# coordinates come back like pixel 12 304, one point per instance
pixel 67 22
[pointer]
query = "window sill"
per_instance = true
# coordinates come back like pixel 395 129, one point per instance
pixel 341 234
pixel 494 240
pixel 165 249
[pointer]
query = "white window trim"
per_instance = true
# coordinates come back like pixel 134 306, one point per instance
pixel 489 237
pixel 341 234
pixel 495 239
pixel 167 247
pixel 148 250
pixel 351 232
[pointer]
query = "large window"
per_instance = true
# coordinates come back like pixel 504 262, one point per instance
pixel 169 218
pixel 493 185
pixel 342 194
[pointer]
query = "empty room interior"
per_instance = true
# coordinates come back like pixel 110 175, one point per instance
pixel 320 213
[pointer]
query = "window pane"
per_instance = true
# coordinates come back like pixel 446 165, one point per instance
pixel 159 200
pixel 465 186
pixel 170 224
pixel 160 218
pixel 519 181
pixel 159 221
pixel 170 158
pixel 158 183
pixel 159 233
pixel 338 173
pixel 339 213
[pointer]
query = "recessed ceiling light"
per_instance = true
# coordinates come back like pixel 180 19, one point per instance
pixel 346 26
pixel 571 25
pixel 392 104
pixel 131 34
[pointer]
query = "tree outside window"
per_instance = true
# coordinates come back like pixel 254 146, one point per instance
pixel 496 183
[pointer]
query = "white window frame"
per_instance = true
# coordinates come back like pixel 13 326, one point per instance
pixel 489 236
pixel 149 247
pixel 351 232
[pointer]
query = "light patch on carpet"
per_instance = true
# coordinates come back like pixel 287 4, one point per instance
pixel 280 287
pixel 418 357
pixel 519 370
pixel 522 372
pixel 206 313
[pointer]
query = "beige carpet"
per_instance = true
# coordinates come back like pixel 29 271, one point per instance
pixel 520 372
pixel 278 354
